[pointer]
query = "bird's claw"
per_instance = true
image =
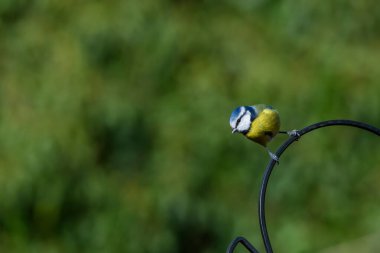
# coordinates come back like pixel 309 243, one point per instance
pixel 294 133
pixel 273 156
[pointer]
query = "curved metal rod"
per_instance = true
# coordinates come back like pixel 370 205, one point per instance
pixel 281 149
pixel 269 169
pixel 244 242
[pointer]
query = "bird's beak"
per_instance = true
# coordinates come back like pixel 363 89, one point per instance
pixel 234 130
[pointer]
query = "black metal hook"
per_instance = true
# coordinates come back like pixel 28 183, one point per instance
pixel 268 172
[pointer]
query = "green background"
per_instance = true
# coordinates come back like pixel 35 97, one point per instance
pixel 114 133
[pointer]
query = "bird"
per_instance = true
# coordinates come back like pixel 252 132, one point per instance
pixel 259 123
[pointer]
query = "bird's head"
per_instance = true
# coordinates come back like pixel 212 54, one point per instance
pixel 241 119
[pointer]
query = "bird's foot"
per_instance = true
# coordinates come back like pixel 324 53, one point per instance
pixel 292 133
pixel 273 156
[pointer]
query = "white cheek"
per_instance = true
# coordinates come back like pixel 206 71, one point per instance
pixel 245 123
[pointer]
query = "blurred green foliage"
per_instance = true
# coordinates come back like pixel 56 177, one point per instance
pixel 114 133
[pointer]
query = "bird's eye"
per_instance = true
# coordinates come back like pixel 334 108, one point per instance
pixel 238 121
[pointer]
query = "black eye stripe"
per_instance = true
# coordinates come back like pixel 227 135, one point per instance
pixel 239 119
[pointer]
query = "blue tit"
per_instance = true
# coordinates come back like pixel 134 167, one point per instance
pixel 259 123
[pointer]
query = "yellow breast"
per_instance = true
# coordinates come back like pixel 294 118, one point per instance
pixel 264 127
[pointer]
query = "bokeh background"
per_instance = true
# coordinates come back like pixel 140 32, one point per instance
pixel 114 133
